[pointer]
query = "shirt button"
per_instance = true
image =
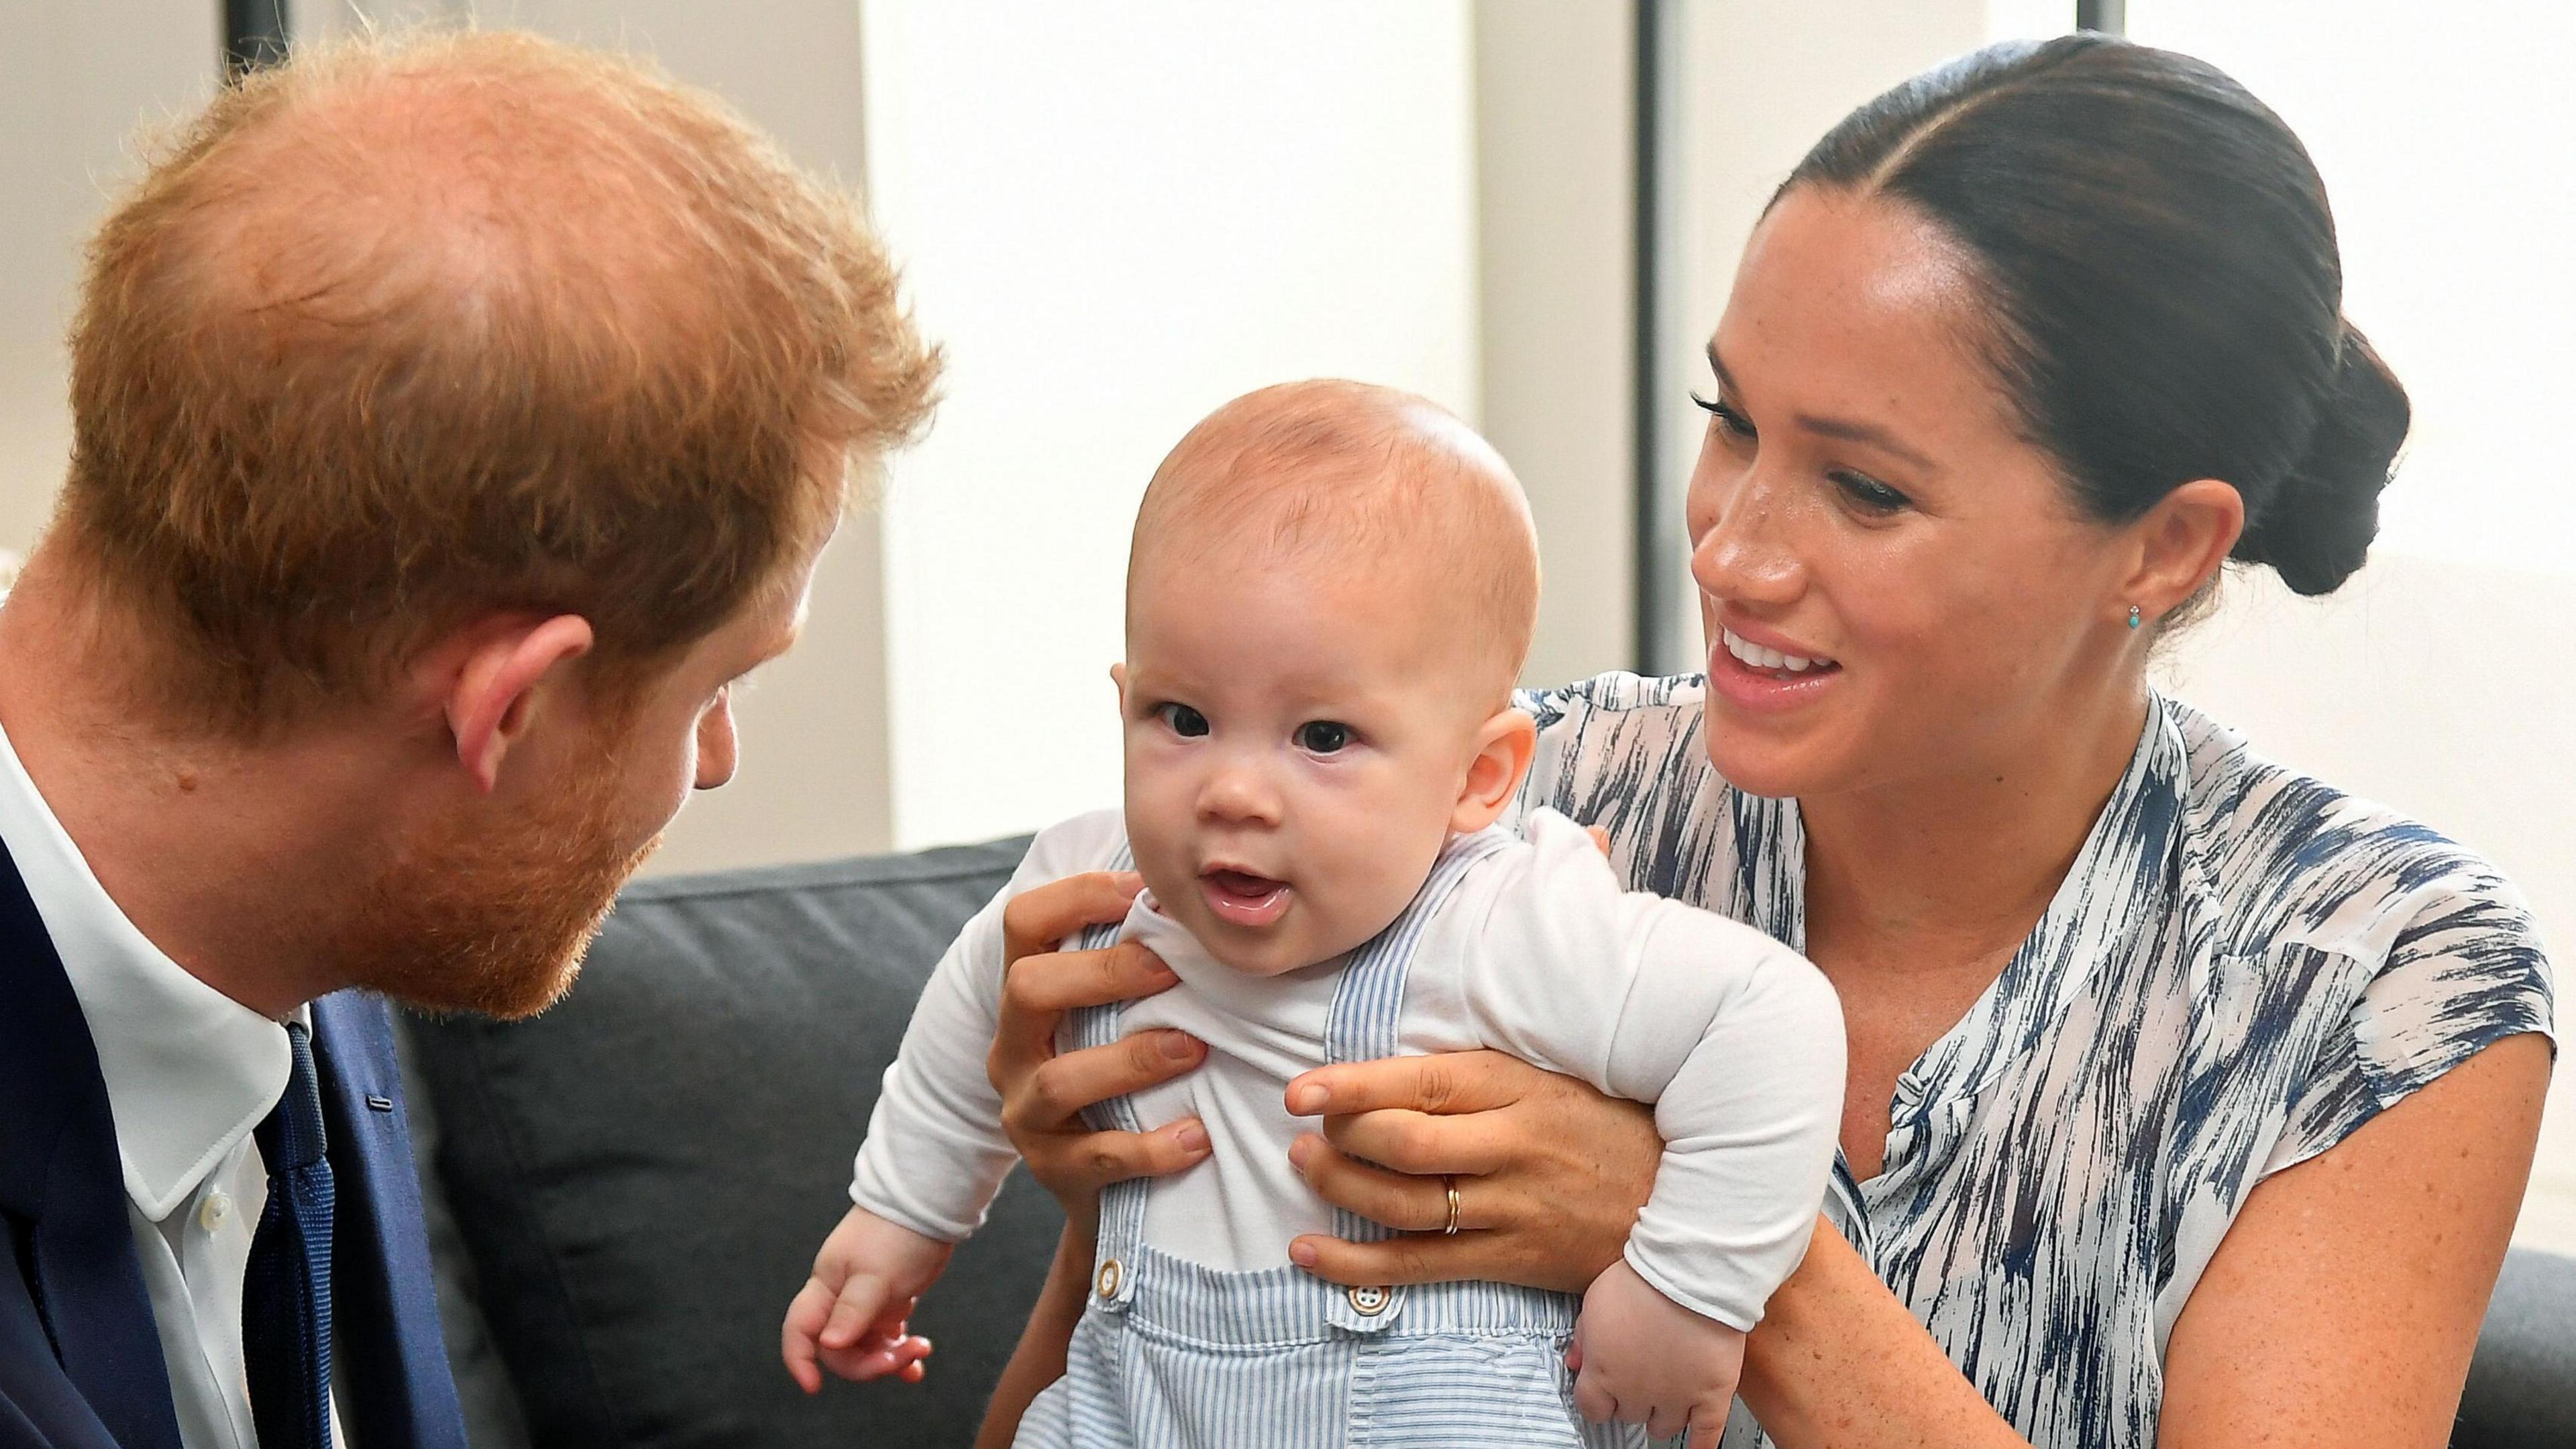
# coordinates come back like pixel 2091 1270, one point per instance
pixel 1108 1284
pixel 215 1211
pixel 1369 1302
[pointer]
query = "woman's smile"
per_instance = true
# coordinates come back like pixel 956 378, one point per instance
pixel 1755 675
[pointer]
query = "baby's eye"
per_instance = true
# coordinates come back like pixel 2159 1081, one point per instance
pixel 1184 721
pixel 1323 736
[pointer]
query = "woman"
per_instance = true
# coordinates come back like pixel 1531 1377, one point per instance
pixel 2189 1101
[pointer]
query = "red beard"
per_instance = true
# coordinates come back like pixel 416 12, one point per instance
pixel 495 919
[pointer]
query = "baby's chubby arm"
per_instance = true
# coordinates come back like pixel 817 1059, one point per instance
pixel 935 1153
pixel 849 1316
pixel 1641 1357
pixel 1738 1042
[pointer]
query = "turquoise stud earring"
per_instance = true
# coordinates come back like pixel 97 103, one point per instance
pixel 2133 616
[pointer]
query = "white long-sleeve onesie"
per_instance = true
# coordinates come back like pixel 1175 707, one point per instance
pixel 1539 952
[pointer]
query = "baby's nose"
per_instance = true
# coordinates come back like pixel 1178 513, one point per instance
pixel 1239 794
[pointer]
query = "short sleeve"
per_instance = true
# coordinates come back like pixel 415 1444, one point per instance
pixel 2465 971
pixel 1609 741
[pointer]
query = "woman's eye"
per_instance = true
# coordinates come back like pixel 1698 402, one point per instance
pixel 1868 493
pixel 1323 736
pixel 1182 720
pixel 1735 423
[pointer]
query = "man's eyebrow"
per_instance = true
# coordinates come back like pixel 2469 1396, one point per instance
pixel 1843 428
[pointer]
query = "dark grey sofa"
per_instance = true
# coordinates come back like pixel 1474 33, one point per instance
pixel 629 1188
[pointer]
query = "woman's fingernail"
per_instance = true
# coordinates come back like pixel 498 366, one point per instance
pixel 1307 1100
pixel 1192 1137
pixel 1179 1046
pixel 1302 1253
pixel 1300 1150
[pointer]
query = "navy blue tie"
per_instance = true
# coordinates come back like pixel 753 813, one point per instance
pixel 286 1292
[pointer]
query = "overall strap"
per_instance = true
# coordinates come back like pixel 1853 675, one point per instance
pixel 1366 1024
pixel 1122 1204
pixel 1368 1008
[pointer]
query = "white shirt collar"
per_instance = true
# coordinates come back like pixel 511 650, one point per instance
pixel 189 1070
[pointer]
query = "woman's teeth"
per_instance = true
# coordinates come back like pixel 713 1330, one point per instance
pixel 1754 656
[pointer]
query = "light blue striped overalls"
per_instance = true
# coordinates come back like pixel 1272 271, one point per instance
pixel 1172 1354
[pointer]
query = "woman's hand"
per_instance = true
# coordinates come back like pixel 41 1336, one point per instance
pixel 1550 1173
pixel 1043 1093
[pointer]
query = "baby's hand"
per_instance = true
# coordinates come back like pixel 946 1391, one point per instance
pixel 1641 1358
pixel 850 1314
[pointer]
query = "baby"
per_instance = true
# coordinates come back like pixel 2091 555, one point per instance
pixel 1331 591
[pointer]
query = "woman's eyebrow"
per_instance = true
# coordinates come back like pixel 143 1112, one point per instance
pixel 1869 433
pixel 1842 428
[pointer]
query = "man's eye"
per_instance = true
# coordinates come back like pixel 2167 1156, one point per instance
pixel 1323 736
pixel 1183 720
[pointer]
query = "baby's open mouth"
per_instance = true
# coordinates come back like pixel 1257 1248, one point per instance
pixel 1242 898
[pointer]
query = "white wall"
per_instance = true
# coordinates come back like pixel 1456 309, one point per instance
pixel 1116 218
pixel 83 78
pixel 1555 128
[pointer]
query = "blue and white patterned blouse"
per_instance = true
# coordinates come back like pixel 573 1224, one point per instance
pixel 2242 967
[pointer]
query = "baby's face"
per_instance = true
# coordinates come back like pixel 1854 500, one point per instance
pixel 1296 742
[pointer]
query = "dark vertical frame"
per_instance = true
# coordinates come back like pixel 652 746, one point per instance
pixel 255 34
pixel 1658 556
pixel 2108 16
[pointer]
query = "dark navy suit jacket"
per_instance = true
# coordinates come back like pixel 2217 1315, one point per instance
pixel 80 1360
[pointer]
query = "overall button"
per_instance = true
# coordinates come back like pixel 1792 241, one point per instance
pixel 215 1211
pixel 1370 1302
pixel 1109 1273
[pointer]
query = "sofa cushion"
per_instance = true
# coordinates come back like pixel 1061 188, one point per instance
pixel 2522 1384
pixel 642 1174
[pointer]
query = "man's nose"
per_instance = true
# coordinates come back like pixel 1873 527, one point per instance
pixel 717 749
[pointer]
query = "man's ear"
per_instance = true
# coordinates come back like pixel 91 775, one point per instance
pixel 2179 543
pixel 495 692
pixel 1504 746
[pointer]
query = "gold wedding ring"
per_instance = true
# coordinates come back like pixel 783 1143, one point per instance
pixel 1450 1180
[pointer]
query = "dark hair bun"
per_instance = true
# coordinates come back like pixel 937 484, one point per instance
pixel 2164 296
pixel 2316 528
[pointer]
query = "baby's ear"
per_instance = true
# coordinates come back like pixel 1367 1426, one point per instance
pixel 1118 676
pixel 1504 745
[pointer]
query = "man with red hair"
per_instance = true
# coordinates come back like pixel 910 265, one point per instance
pixel 454 420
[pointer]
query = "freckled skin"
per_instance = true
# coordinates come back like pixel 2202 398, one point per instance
pixel 1963 620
